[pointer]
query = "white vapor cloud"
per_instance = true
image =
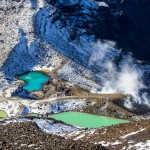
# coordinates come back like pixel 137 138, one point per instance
pixel 125 77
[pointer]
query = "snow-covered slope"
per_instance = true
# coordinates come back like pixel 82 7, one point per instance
pixel 15 107
pixel 77 30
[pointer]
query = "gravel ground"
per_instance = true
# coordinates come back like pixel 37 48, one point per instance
pixel 14 136
pixel 121 136
pixel 26 135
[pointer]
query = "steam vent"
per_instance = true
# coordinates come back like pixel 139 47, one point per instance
pixel 74 74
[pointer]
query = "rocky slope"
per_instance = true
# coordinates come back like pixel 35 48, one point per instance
pixel 38 140
pixel 99 46
pixel 117 137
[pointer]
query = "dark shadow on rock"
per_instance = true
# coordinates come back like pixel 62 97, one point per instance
pixel 65 32
pixel 20 92
pixel 136 108
pixel 25 111
pixel 119 22
pixel 22 58
pixel 33 4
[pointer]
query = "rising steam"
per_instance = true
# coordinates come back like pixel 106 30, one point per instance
pixel 120 76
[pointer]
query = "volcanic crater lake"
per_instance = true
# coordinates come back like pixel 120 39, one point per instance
pixel 86 120
pixel 34 80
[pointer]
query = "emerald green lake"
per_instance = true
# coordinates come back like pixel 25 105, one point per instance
pixel 34 80
pixel 86 120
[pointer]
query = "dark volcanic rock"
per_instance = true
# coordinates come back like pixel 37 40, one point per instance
pixel 126 22
pixel 28 136
pixel 136 35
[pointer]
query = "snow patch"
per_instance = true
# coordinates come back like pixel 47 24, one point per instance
pixel 140 146
pixel 132 133
pixel 102 4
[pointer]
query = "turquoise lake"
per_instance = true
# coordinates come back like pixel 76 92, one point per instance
pixel 34 80
pixel 87 120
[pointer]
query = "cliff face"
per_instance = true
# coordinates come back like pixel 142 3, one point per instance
pixel 33 32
